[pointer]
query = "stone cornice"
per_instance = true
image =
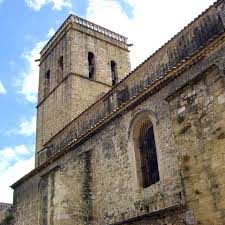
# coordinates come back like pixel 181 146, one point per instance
pixel 66 77
pixel 90 25
pixel 153 215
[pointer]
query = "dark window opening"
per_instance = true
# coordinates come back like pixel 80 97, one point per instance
pixel 60 69
pixel 114 73
pixel 47 83
pixel 149 163
pixel 91 64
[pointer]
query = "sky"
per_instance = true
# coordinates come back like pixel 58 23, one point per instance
pixel 26 25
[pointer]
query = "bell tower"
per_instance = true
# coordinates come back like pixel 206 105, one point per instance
pixel 80 63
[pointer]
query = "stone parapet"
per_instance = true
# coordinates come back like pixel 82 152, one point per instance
pixel 87 24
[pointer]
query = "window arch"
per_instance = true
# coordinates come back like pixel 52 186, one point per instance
pixel 143 142
pixel 60 68
pixel 47 82
pixel 114 72
pixel 91 64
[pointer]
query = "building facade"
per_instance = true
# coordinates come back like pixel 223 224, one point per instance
pixel 117 147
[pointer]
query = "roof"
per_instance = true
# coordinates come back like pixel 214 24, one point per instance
pixel 177 55
pixel 83 22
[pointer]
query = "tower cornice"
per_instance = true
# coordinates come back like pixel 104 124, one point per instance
pixel 73 19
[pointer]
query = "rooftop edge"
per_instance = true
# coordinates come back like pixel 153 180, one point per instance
pixel 90 25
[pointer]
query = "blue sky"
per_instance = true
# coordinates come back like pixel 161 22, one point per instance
pixel 26 25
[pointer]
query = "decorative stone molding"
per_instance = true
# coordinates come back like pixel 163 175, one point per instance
pixel 78 20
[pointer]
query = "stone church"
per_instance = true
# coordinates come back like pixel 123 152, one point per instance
pixel 119 147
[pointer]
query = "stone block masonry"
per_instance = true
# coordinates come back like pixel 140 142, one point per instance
pixel 6 212
pixel 89 167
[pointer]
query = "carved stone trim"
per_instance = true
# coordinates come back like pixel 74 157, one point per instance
pixel 78 20
pixel 153 215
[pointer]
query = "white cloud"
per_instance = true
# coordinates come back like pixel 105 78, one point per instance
pixel 51 32
pixel 12 153
pixel 152 23
pixel 15 162
pixel 28 81
pixel 8 153
pixel 59 4
pixel 10 175
pixel 2 88
pixel 109 14
pixel 26 127
pixel 56 4
pixel 22 150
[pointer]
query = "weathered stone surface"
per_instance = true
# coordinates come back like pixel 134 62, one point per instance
pixel 97 181
pixel 201 142
pixel 185 44
pixel 5 210
pixel 71 96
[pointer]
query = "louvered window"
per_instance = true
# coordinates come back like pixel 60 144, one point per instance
pixel 47 83
pixel 60 69
pixel 91 65
pixel 147 147
pixel 114 73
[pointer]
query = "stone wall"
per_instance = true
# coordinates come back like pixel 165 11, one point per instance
pixel 104 52
pixel 73 94
pixel 198 117
pixel 186 45
pixel 26 201
pixel 5 208
pixel 59 98
pixel 64 104
pixel 96 180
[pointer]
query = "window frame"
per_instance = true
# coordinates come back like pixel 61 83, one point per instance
pixel 133 145
pixel 47 82
pixel 148 156
pixel 114 74
pixel 60 69
pixel 91 63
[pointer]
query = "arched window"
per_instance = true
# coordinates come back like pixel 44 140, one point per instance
pixel 60 69
pixel 114 72
pixel 47 82
pixel 142 141
pixel 148 156
pixel 91 64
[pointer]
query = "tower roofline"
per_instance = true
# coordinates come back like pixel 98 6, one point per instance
pixel 87 24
